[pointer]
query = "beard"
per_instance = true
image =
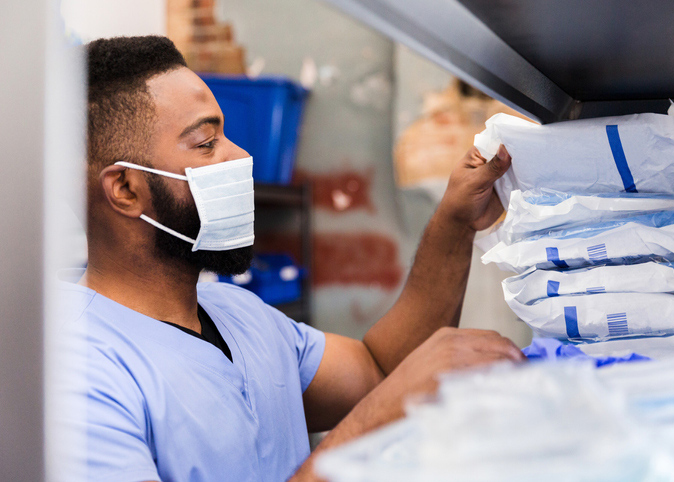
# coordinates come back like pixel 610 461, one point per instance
pixel 183 217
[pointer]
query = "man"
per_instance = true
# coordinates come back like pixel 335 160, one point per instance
pixel 205 382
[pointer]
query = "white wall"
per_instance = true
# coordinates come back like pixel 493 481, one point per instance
pixel 91 19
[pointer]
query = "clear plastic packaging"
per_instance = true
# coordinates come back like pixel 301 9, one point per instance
pixel 534 285
pixel 542 211
pixel 630 240
pixel 538 422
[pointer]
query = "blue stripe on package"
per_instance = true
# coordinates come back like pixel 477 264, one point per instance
pixel 619 157
pixel 553 256
pixel 552 349
pixel 571 320
pixel 553 288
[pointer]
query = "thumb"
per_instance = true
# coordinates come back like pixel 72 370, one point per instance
pixel 495 168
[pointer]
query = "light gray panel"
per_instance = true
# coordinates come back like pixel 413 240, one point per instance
pixel 22 56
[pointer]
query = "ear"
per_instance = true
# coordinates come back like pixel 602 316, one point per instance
pixel 126 190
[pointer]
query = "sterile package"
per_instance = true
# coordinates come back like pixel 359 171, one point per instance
pixel 630 240
pixel 598 317
pixel 630 153
pixel 649 390
pixel 650 277
pixel 546 421
pixel 660 348
pixel 541 211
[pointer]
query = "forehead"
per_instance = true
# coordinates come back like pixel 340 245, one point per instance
pixel 180 98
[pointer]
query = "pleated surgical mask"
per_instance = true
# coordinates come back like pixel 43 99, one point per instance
pixel 223 194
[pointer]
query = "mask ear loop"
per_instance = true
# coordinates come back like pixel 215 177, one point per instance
pixel 148 219
pixel 167 229
pixel 149 169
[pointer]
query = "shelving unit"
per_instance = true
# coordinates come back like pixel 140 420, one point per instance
pixel 297 198
pixel 551 60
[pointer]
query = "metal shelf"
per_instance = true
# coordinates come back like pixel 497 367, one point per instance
pixel 551 60
pixel 275 196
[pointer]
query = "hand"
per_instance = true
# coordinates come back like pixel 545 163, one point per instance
pixel 470 198
pixel 446 350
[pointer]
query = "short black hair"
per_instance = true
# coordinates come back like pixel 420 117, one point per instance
pixel 120 108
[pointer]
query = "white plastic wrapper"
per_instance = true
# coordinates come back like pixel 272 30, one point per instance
pixel 541 211
pixel 604 155
pixel 535 285
pixel 631 240
pixel 599 317
pixel 549 422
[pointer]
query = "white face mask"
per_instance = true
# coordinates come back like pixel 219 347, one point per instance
pixel 223 194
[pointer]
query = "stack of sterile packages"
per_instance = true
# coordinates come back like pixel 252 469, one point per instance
pixel 589 224
pixel 549 422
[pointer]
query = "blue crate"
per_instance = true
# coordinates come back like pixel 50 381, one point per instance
pixel 263 116
pixel 275 278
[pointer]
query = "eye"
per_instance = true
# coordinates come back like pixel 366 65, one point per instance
pixel 208 145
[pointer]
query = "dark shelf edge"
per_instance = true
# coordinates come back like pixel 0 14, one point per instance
pixel 278 195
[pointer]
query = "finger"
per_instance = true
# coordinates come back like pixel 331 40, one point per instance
pixel 513 350
pixel 483 359
pixel 474 158
pixel 476 332
pixel 502 346
pixel 492 170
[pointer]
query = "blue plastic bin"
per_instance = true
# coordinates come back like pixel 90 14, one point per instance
pixel 275 278
pixel 263 116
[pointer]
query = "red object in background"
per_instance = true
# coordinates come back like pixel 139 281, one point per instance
pixel 340 191
pixel 365 259
pixel 360 258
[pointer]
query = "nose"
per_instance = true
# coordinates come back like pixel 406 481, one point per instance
pixel 235 152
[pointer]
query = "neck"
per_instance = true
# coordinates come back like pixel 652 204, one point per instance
pixel 162 289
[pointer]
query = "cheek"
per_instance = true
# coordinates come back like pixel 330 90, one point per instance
pixel 180 194
pixel 184 195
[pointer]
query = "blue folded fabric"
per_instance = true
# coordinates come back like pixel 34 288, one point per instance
pixel 553 349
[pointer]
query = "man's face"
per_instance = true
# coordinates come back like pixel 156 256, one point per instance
pixel 188 133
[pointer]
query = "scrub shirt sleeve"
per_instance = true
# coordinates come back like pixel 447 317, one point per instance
pixel 117 447
pixel 308 343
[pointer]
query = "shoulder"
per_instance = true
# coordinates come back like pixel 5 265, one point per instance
pixel 96 333
pixel 245 307
pixel 72 302
pixel 231 297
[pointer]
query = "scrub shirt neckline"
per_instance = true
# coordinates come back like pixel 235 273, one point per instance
pixel 197 350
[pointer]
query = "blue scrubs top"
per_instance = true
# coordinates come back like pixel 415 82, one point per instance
pixel 154 403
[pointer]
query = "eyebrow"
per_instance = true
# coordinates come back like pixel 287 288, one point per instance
pixel 212 120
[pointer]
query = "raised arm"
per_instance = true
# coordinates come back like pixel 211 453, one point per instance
pixel 435 289
pixel 430 301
